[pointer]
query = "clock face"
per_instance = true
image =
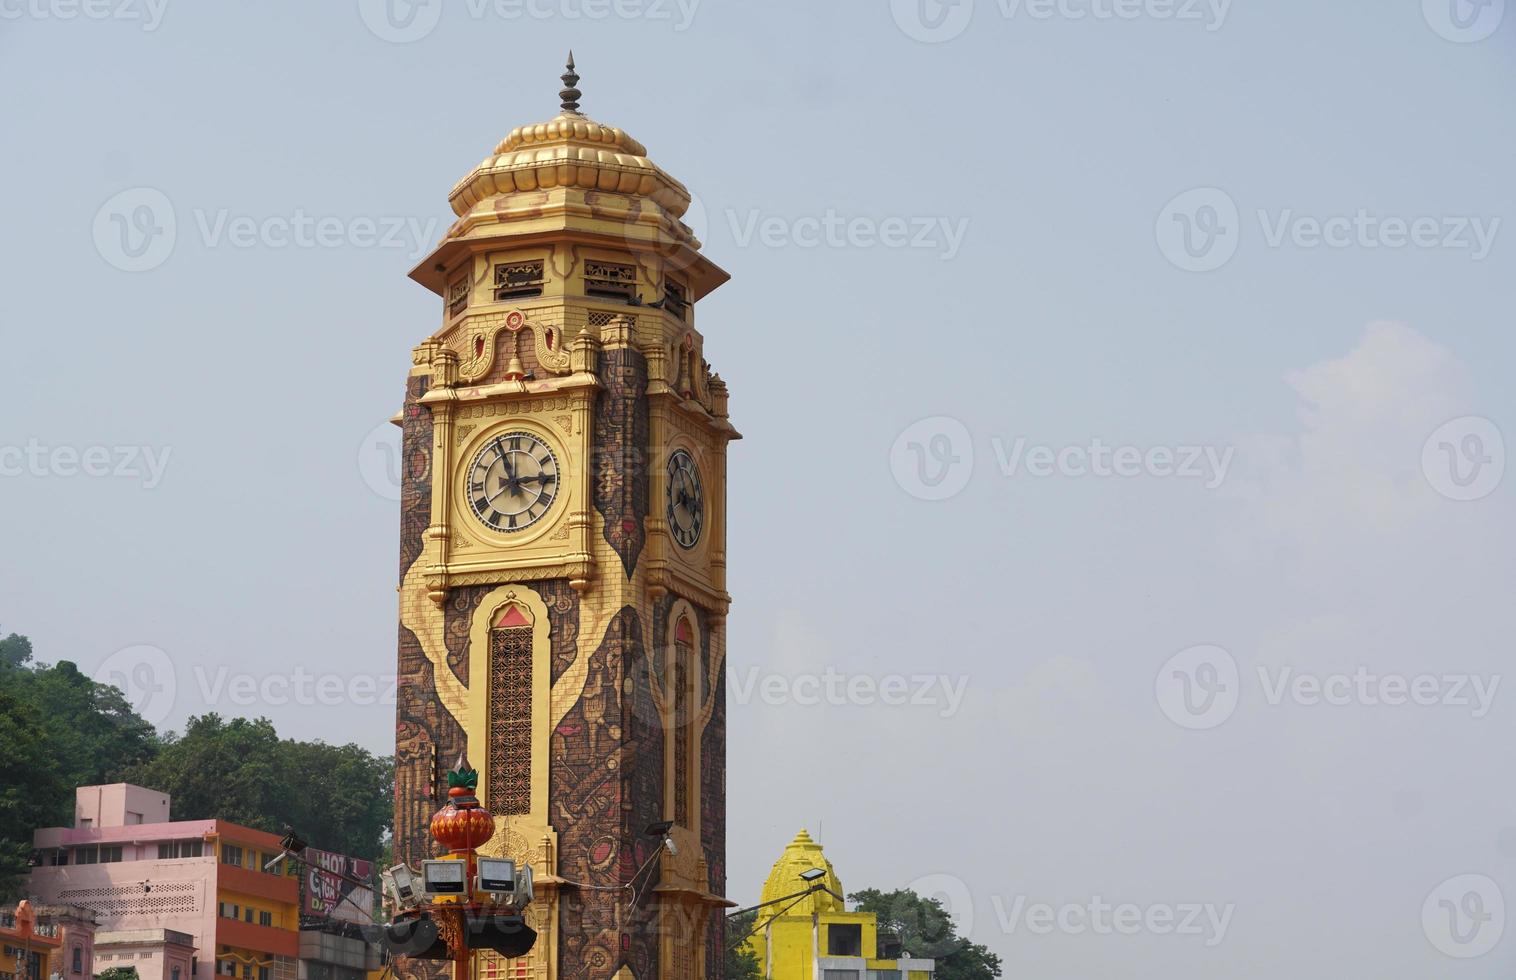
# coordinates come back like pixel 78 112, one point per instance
pixel 686 499
pixel 513 482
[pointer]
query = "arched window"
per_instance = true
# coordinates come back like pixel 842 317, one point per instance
pixel 510 733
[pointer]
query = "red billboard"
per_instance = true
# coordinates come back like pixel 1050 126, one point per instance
pixel 332 890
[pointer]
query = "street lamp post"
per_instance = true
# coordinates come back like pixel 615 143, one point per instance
pixel 458 910
pixel 815 880
pixel 463 825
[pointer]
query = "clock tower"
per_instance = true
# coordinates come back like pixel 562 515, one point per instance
pixel 563 553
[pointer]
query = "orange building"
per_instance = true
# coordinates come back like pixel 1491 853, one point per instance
pixel 28 945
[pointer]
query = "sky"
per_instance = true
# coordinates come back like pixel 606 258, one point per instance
pixel 1120 540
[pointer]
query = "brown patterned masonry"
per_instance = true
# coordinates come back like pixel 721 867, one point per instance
pixel 620 450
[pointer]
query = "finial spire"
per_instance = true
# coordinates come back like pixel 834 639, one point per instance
pixel 570 94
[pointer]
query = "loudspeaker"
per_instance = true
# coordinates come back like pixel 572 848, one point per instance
pixel 415 936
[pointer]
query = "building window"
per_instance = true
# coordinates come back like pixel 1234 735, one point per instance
pixel 87 855
pixel 262 973
pixel 231 854
pixel 168 850
pixel 228 910
pixel 110 855
pixel 610 280
pixel 518 280
pixel 839 975
pixel 173 974
pixel 457 296
pixel 844 939
pixel 265 918
pixel 247 916
pixel 78 966
pixel 226 968
pixel 510 782
pixel 674 299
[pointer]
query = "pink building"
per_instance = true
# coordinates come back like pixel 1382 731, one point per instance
pixel 156 954
pixel 138 869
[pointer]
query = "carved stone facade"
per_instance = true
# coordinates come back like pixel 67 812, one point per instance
pixel 577 659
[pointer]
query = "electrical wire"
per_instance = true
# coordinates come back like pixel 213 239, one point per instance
pixel 757 924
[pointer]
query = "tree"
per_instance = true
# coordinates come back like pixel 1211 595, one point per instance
pixel 741 961
pixel 15 651
pixel 92 732
pixel 346 799
pixel 60 729
pixel 926 930
pixel 337 797
pixel 30 788
pixel 79 732
pixel 222 770
pixel 118 973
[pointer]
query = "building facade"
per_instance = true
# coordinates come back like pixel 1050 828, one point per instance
pixel 156 954
pixel 137 869
pixel 563 552
pixel 335 907
pixel 806 933
pixel 47 941
pixel 28 946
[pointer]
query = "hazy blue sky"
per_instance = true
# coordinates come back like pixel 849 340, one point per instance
pixel 1266 239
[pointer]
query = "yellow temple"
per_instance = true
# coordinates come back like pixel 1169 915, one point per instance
pixel 804 931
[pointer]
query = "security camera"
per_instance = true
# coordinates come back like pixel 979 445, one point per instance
pixel 400 882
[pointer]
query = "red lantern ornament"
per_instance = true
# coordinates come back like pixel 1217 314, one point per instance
pixel 462 825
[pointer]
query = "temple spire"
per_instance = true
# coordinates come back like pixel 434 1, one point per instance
pixel 570 94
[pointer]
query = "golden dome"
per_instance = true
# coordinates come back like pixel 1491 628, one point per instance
pixel 571 178
pixel 569 150
pixel 802 854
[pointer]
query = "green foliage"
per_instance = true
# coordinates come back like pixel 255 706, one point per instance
pixel 30 787
pixel 346 800
pixel 118 973
pixel 79 732
pixel 15 651
pixel 741 961
pixel 92 732
pixel 925 930
pixel 227 770
pixel 337 797
pixel 60 729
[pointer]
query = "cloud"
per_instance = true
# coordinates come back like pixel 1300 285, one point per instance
pixel 1348 484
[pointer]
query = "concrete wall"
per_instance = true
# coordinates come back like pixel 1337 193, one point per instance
pixel 179 894
pixel 119 805
pixel 153 960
